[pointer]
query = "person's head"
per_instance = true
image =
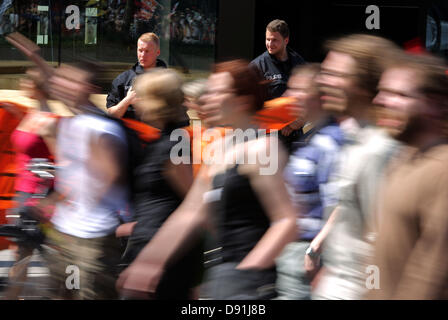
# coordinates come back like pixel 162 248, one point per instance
pixel 413 96
pixel 234 92
pixel 148 49
pixel 34 84
pixel 160 97
pixel 73 84
pixel 193 91
pixel 303 87
pixel 350 73
pixel 277 37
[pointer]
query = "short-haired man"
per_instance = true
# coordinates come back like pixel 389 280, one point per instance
pixel 413 235
pixel 278 60
pixel 121 97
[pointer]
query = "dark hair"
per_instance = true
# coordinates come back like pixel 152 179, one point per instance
pixel 247 80
pixel 279 26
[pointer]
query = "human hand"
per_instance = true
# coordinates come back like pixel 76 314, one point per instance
pixel 131 96
pixel 139 280
pixel 311 265
pixel 125 229
pixel 297 124
pixel 287 130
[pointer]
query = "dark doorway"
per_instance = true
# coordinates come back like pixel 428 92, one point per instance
pixel 312 22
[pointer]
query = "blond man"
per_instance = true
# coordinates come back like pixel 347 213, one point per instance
pixel 121 97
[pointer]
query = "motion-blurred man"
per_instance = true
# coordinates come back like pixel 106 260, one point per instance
pixel 412 245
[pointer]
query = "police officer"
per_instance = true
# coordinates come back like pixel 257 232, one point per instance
pixel 278 60
pixel 122 96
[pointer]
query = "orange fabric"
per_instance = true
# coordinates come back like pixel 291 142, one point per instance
pixel 203 144
pixel 144 131
pixel 275 114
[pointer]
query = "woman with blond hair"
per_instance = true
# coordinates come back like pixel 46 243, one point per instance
pixel 159 184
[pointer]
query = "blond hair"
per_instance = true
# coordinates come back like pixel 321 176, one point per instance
pixel 370 53
pixel 160 91
pixel 311 70
pixel 150 36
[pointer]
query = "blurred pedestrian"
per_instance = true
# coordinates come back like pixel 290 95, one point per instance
pixel 252 213
pixel 91 178
pixel 31 139
pixel 160 184
pixel 308 174
pixel 348 82
pixel 413 234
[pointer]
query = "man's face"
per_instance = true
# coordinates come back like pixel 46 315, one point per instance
pixel 302 88
pixel 147 53
pixel 71 86
pixel 401 105
pixel 337 85
pixel 275 43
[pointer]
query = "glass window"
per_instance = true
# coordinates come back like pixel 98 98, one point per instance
pixel 107 31
pixel 437 28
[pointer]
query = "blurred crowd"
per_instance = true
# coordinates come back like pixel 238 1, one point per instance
pixel 180 23
pixel 193 26
pixel 357 208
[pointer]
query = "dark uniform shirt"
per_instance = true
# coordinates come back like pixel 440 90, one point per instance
pixel 122 83
pixel 277 71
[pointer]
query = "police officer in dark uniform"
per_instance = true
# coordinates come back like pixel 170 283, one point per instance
pixel 122 96
pixel 278 60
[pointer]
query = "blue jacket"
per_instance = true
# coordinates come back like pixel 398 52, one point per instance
pixel 277 71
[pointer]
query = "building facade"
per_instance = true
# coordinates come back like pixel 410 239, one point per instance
pixel 196 33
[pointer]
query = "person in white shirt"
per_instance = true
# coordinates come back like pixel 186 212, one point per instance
pixel 91 178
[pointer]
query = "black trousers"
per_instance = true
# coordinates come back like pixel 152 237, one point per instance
pixel 225 282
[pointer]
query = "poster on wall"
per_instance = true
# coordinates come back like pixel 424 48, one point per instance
pixel 91 26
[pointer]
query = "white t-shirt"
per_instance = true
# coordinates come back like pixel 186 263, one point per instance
pixel 81 214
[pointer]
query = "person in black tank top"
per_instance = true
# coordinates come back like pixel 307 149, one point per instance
pixel 157 191
pixel 249 207
pixel 242 220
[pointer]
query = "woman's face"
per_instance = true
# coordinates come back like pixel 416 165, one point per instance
pixel 218 103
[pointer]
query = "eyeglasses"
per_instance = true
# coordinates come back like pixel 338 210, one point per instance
pixel 336 74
